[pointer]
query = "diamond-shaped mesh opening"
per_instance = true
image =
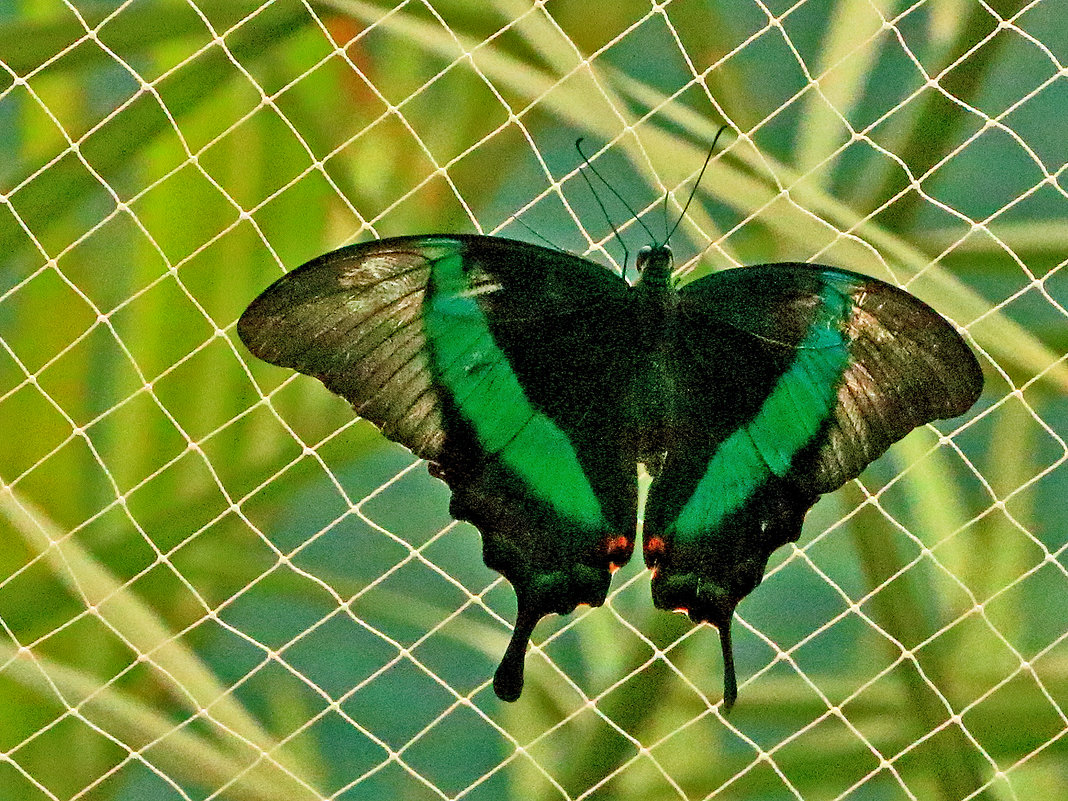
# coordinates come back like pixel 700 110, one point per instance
pixel 48 301
pixel 225 159
pixel 189 192
pixel 216 582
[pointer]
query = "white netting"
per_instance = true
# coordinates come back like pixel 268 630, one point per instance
pixel 214 583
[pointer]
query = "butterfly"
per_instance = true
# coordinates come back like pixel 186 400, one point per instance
pixel 535 382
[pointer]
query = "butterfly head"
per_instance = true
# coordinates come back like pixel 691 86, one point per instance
pixel 654 263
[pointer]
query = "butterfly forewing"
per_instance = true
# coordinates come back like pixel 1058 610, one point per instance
pixel 901 364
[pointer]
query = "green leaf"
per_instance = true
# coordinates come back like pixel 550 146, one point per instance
pixel 181 673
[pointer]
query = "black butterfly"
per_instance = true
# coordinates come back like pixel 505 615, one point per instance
pixel 535 382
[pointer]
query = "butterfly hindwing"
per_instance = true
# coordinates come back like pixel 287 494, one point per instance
pixel 789 380
pixel 500 362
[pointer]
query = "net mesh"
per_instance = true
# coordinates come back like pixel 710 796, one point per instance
pixel 215 583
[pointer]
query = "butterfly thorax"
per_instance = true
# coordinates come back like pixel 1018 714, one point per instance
pixel 655 312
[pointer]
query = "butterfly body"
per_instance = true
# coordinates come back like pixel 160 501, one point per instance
pixel 652 391
pixel 535 381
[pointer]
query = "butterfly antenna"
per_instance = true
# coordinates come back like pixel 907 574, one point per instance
pixel 614 191
pixel 600 205
pixel 664 215
pixel 697 183
pixel 539 235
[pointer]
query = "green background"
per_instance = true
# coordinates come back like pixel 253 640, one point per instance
pixel 214 582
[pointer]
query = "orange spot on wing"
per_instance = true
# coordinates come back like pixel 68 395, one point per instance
pixel 618 549
pixel 655 550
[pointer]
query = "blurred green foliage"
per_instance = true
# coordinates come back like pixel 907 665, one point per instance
pixel 213 582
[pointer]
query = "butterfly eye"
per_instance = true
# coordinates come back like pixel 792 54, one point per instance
pixel 643 256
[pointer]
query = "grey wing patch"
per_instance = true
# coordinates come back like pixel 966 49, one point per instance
pixel 908 367
pixel 353 319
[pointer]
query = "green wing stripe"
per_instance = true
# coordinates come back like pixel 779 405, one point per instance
pixel 488 395
pixel 788 420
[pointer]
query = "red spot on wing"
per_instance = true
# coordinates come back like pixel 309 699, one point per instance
pixel 618 550
pixel 655 549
